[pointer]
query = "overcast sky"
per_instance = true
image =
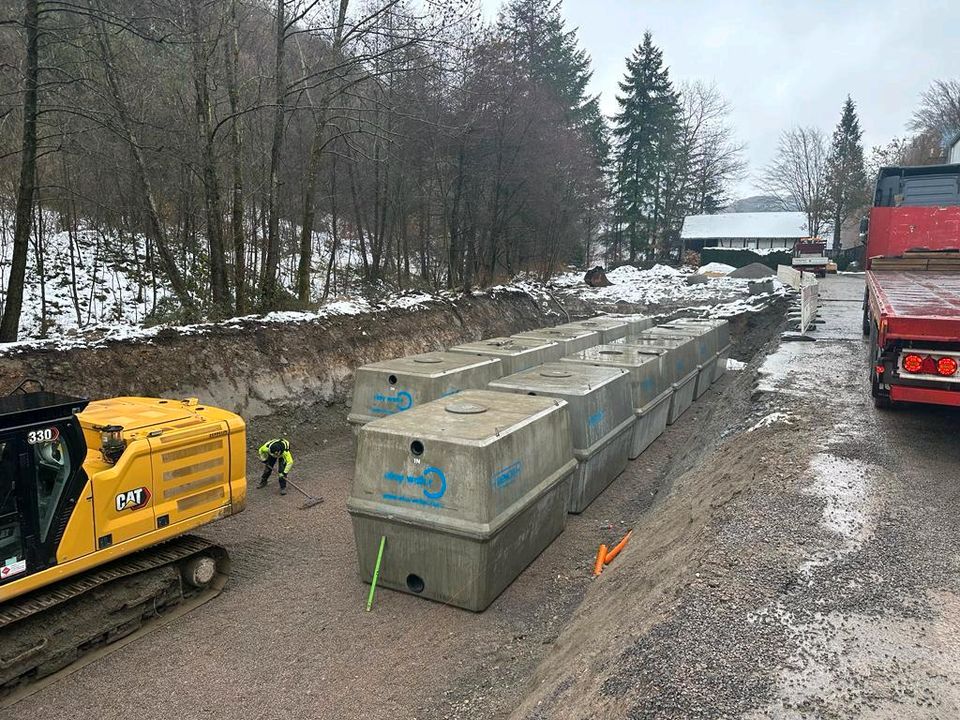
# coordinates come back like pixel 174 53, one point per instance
pixel 782 63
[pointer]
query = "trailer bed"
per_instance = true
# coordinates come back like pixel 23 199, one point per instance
pixel 916 305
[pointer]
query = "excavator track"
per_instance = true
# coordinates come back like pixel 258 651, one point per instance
pixel 56 631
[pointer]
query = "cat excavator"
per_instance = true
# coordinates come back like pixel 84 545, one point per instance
pixel 96 503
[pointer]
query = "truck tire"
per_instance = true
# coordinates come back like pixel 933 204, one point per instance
pixel 866 316
pixel 881 397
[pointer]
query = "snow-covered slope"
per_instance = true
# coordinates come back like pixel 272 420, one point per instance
pixel 94 281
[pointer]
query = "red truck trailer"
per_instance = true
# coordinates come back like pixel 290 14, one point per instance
pixel 911 309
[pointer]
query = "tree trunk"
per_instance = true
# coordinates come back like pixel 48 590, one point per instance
pixel 236 146
pixel 268 291
pixel 334 230
pixel 154 227
pixel 10 324
pixel 211 184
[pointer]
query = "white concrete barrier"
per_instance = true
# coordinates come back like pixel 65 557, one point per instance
pixel 788 276
pixel 809 299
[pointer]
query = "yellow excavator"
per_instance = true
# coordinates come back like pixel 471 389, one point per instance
pixel 96 500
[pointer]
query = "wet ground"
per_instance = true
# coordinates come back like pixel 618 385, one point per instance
pixel 795 556
pixel 289 637
pixel 823 584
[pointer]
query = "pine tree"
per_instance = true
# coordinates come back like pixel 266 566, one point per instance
pixel 645 132
pixel 549 56
pixel 846 174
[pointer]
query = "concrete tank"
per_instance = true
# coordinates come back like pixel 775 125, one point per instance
pixel 610 329
pixel 651 384
pixel 468 491
pixel 706 340
pixel 722 329
pixel 680 362
pixel 635 322
pixel 516 354
pixel 572 340
pixel 392 386
pixel 601 419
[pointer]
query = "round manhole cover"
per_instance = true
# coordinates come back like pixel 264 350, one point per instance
pixel 556 374
pixel 466 408
pixel 429 360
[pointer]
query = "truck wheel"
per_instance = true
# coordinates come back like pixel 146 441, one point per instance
pixel 866 315
pixel 881 398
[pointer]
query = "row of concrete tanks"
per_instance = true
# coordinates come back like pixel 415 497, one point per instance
pixel 469 460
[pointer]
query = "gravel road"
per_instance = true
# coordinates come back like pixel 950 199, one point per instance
pixel 820 580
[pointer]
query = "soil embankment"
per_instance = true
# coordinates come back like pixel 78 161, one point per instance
pixel 260 368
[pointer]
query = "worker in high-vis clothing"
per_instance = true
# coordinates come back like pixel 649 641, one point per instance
pixel 276 453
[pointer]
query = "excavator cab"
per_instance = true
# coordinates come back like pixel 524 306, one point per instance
pixel 42 450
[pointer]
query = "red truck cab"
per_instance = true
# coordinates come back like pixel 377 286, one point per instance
pixel 912 299
pixel 810 255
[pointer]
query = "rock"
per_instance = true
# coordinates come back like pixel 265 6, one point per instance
pixel 596 277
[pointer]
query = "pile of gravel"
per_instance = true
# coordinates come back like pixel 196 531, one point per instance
pixel 752 271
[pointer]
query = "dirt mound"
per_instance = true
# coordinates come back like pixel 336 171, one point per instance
pixel 258 368
pixel 752 271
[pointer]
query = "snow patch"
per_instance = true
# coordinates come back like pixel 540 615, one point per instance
pixel 735 364
pixel 716 268
pixel 772 419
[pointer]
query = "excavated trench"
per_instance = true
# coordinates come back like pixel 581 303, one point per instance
pixel 292 599
pixel 258 368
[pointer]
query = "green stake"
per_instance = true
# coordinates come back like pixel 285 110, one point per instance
pixel 376 573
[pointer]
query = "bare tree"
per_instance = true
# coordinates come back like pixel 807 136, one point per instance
pixel 10 324
pixel 939 111
pixel 797 175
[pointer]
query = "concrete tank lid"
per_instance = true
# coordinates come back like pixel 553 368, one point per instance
pixel 431 364
pixel 701 321
pixel 563 378
pixel 563 332
pixel 466 408
pixel 503 413
pixel 505 346
pixel 619 355
pixel 600 321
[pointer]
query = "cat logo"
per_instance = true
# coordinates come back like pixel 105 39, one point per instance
pixel 133 499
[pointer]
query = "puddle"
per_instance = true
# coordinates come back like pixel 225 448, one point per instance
pixel 842 484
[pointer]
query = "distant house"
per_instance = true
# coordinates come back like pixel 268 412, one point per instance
pixel 953 149
pixel 764 231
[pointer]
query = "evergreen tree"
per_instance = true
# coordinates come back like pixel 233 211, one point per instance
pixel 846 174
pixel 645 132
pixel 549 56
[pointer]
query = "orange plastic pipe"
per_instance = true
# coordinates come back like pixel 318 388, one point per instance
pixel 615 550
pixel 601 555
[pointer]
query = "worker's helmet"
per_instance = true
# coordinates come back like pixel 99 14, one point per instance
pixel 277 448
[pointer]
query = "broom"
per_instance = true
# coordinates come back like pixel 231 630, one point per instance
pixel 311 500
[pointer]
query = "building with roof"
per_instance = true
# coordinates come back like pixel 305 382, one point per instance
pixel 764 231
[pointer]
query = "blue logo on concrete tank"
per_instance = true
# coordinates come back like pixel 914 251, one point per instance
pixel 506 476
pixel 394 403
pixel 432 483
pixel 596 418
